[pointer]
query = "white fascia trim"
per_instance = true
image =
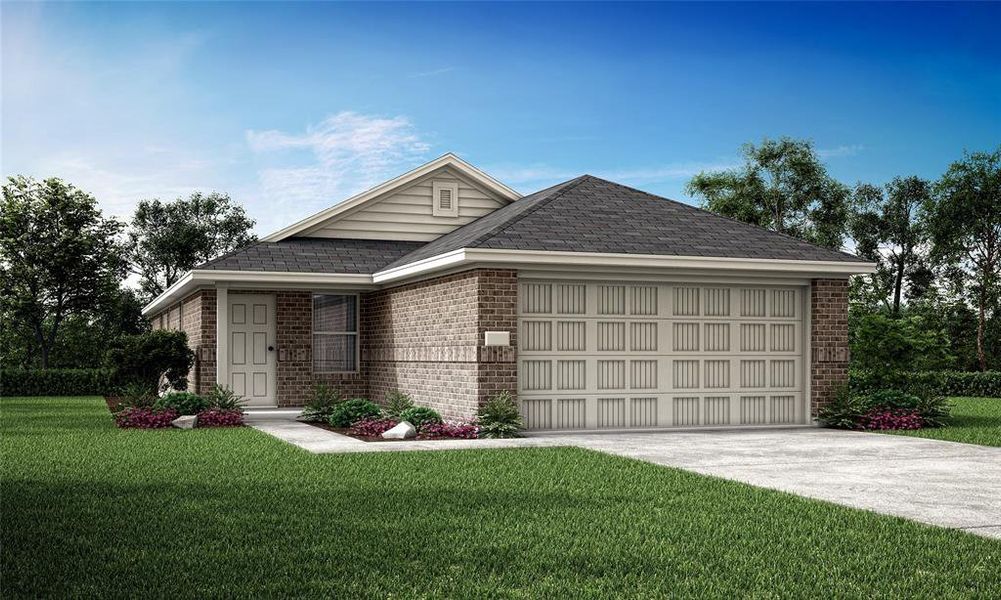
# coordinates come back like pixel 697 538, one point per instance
pixel 181 286
pixel 426 265
pixel 601 259
pixel 446 160
pixel 194 279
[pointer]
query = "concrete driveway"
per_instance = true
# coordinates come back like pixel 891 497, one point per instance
pixel 941 483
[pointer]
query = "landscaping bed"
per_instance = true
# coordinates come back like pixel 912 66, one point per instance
pixel 400 420
pixel 140 408
pixel 351 432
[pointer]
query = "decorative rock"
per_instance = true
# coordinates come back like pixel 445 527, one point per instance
pixel 401 431
pixel 185 422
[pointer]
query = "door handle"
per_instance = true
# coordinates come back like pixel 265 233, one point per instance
pixel 271 348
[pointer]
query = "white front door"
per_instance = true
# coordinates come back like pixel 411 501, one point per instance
pixel 252 363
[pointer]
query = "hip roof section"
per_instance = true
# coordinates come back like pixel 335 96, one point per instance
pixel 589 214
pixel 314 255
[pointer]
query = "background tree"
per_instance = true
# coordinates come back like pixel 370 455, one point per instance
pixel 166 239
pixel 83 337
pixel 781 186
pixel 58 257
pixel 964 223
pixel 887 229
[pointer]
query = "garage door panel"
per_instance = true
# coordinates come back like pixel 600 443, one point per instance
pixel 571 336
pixel 571 299
pixel 620 355
pixel 643 412
pixel 621 411
pixel 537 413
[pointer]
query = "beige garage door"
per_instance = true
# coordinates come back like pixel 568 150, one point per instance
pixel 610 355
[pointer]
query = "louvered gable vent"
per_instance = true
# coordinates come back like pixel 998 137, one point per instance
pixel 446 199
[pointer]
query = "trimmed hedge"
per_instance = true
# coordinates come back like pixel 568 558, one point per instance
pixel 929 383
pixel 57 382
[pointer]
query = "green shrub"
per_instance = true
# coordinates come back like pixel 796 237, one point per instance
pixel 934 411
pixel 185 403
pixel 136 396
pixel 899 343
pixel 418 416
pixel 57 382
pixel 928 384
pixel 848 408
pixel 321 404
pixel 396 403
pixel 845 411
pixel 891 399
pixel 221 397
pixel 143 359
pixel 346 413
pixel 499 417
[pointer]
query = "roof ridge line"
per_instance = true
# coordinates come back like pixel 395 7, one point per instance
pixel 567 186
pixel 731 219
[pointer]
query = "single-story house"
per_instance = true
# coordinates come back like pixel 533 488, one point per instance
pixel 598 305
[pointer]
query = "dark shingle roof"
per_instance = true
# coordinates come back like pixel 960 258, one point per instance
pixel 314 255
pixel 588 214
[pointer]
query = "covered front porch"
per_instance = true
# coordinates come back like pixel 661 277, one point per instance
pixel 271 337
pixel 272 343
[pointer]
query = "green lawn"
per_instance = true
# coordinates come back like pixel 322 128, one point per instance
pixel 974 421
pixel 89 510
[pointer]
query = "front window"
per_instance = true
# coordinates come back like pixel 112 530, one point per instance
pixel 335 333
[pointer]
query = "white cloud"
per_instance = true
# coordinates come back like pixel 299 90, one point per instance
pixel 347 153
pixel 839 151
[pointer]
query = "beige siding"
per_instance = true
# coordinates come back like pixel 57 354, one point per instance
pixel 406 214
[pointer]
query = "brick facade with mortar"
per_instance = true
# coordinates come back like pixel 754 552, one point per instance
pixel 828 340
pixel 294 330
pixel 195 315
pixel 423 338
pixel 426 339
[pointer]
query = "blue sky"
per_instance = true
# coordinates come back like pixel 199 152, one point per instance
pixel 292 107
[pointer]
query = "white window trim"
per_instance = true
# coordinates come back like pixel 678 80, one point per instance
pixel 437 186
pixel 313 332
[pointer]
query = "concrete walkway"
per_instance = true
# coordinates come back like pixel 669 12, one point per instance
pixel 321 441
pixel 940 483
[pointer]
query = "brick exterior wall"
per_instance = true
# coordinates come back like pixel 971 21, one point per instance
pixel 426 339
pixel 294 329
pixel 828 340
pixel 195 316
pixel 497 298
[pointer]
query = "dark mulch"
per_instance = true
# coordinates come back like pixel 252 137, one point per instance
pixel 367 438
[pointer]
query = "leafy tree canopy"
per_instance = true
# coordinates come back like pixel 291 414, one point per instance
pixel 887 228
pixel 58 257
pixel 781 186
pixel 167 239
pixel 964 225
